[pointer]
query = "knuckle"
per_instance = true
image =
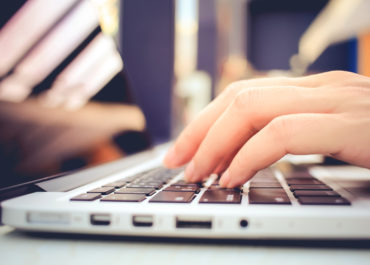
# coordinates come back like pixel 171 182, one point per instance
pixel 233 88
pixel 280 129
pixel 247 99
pixel 341 78
pixel 357 92
pixel 338 74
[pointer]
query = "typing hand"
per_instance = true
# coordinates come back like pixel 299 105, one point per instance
pixel 254 123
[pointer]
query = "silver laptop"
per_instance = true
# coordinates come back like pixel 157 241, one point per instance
pixel 137 196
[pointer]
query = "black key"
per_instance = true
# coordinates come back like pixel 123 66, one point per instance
pixel 86 197
pixel 184 183
pixel 143 185
pixel 158 180
pixel 154 182
pixel 146 184
pixel 146 191
pixel 218 187
pixel 268 196
pixel 221 196
pixel 315 193
pixel 116 184
pixel 323 201
pixel 255 184
pixel 173 197
pixel 124 198
pixel 150 180
pixel 303 181
pixel 182 188
pixel 190 185
pixel 309 187
pixel 102 190
pixel 137 181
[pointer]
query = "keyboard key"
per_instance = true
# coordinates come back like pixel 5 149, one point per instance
pixel 323 201
pixel 315 193
pixel 217 187
pixel 102 190
pixel 173 197
pixel 143 185
pixel 303 181
pixel 255 184
pixel 150 181
pixel 268 196
pixel 124 198
pixel 146 191
pixel 183 188
pixel 146 184
pixel 221 196
pixel 184 183
pixel 116 184
pixel 86 197
pixel 309 187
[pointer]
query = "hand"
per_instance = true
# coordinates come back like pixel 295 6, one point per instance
pixel 254 123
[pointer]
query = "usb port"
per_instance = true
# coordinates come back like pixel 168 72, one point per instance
pixel 198 222
pixel 142 220
pixel 100 219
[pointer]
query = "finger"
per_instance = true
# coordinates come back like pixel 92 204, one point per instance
pixel 297 134
pixel 251 110
pixel 222 166
pixel 189 141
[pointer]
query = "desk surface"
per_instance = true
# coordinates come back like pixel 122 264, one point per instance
pixel 21 248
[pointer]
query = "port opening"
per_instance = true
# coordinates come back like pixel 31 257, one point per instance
pixel 100 219
pixel 194 222
pixel 243 223
pixel 142 220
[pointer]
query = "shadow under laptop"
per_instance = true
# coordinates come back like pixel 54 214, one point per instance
pixel 287 243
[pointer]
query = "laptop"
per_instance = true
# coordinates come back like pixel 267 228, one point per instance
pixel 136 196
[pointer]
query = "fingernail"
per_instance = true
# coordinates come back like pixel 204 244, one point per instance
pixel 225 179
pixel 170 157
pixel 189 171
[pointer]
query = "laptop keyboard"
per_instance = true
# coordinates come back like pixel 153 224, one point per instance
pixel 161 185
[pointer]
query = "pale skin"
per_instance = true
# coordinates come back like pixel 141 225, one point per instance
pixel 254 123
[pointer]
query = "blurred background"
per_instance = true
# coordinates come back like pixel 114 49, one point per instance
pixel 89 81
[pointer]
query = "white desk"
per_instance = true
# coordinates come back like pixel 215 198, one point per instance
pixel 20 248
